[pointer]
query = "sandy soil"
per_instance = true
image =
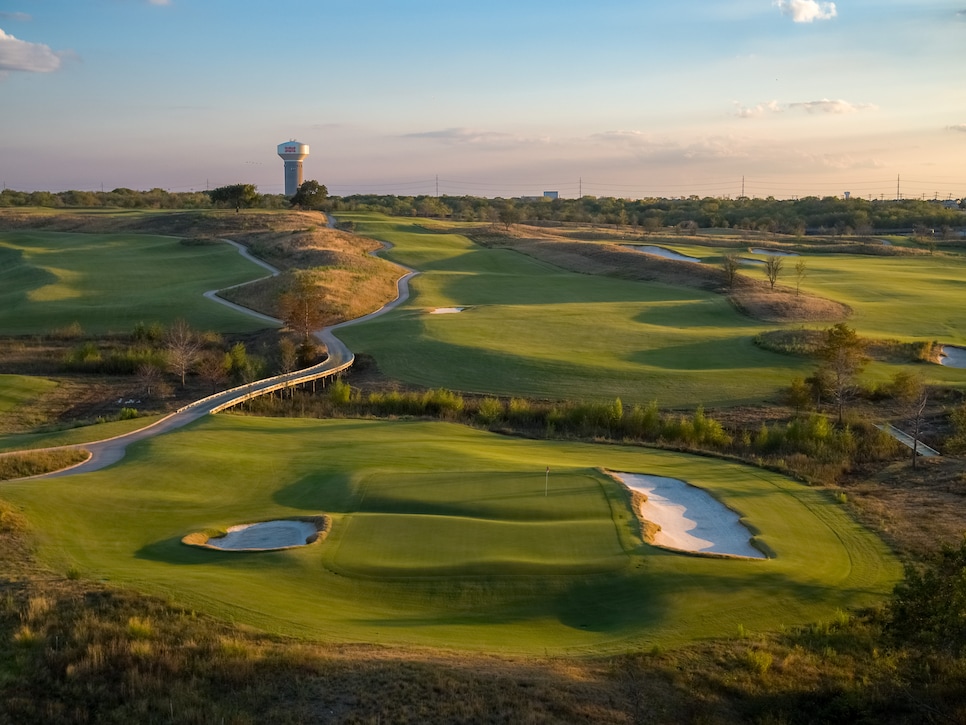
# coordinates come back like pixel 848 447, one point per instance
pixel 445 310
pixel 689 519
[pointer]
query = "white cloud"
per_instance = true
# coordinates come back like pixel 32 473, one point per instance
pixel 159 2
pixel 760 110
pixel 22 17
pixel 806 11
pixel 827 106
pixel 823 106
pixel 19 55
pixel 957 127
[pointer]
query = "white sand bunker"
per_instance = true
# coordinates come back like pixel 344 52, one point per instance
pixel 953 357
pixel 690 519
pixel 446 310
pixel 265 535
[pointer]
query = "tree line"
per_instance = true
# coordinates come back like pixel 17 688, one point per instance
pixel 828 215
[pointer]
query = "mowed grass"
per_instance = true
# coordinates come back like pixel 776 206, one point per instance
pixel 110 282
pixel 18 389
pixel 534 329
pixel 447 536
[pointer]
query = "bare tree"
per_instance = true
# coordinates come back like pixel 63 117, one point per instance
pixel 773 267
pixel 152 382
pixel 182 345
pixel 729 264
pixel 213 368
pixel 800 273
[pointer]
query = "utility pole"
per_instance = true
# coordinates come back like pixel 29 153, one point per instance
pixel 897 188
pixel 742 187
pixel 437 186
pixel 580 188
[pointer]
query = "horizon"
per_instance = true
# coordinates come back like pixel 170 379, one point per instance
pixel 781 98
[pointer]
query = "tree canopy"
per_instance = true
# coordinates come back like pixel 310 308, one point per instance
pixel 236 195
pixel 310 195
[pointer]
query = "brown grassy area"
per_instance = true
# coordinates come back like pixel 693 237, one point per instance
pixel 34 463
pixel 352 281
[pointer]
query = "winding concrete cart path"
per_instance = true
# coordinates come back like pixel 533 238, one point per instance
pixel 105 452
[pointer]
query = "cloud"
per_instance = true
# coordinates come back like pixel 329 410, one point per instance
pixel 957 127
pixel 159 2
pixel 823 106
pixel 827 106
pixel 806 11
pixel 760 110
pixel 19 55
pixel 21 17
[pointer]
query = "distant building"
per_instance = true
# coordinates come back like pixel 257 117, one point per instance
pixel 550 195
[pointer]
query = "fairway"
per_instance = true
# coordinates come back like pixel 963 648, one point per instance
pixel 444 535
pixel 532 329
pixel 111 282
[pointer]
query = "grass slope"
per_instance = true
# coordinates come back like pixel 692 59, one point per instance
pixel 443 536
pixel 110 282
pixel 18 389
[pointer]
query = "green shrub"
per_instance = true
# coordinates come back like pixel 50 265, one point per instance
pixel 489 411
pixel 340 392
pixel 128 414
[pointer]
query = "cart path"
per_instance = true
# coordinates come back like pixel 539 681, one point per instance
pixel 108 451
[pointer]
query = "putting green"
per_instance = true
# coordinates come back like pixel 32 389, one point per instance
pixel 110 282
pixel 447 536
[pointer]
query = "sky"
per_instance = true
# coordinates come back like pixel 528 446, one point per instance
pixel 624 98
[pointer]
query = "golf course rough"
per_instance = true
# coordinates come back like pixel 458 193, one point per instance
pixel 444 535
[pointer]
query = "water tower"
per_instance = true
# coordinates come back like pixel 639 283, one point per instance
pixel 293 152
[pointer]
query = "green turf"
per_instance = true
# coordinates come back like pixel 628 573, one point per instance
pixel 534 329
pixel 72 436
pixel 18 389
pixel 110 282
pixel 443 536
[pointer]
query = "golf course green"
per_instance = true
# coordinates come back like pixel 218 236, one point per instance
pixel 444 535
pixel 111 282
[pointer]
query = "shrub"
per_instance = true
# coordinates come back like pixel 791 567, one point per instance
pixel 340 392
pixel 758 661
pixel 128 414
pixel 489 411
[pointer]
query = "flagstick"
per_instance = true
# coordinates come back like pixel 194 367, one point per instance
pixel 546 483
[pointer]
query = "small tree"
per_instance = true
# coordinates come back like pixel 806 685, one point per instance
pixel 843 358
pixel 213 368
pixel 773 267
pixel 301 307
pixel 800 273
pixel 182 346
pixel 729 265
pixel 509 215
